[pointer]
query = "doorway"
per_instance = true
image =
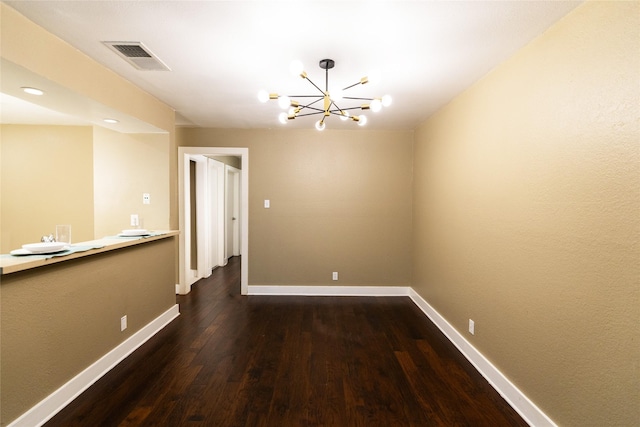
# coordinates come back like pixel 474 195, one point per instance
pixel 213 202
pixel 232 212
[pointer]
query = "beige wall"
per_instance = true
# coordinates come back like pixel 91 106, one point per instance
pixel 125 167
pixel 47 179
pixel 234 161
pixel 90 177
pixel 527 216
pixel 340 201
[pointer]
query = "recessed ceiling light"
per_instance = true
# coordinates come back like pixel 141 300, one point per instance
pixel 33 91
pixel 111 121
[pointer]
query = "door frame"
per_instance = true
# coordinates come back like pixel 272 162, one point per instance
pixel 232 205
pixel 216 194
pixel 185 154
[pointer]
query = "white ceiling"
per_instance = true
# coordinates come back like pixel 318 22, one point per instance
pixel 222 52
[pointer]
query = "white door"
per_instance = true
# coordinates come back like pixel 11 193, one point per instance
pixel 190 271
pixel 232 210
pixel 195 213
pixel 216 229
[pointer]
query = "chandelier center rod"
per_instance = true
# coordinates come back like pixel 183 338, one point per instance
pixel 327 64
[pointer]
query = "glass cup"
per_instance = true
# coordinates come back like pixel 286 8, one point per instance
pixel 63 233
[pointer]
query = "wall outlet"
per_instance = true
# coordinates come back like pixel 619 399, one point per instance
pixel 146 198
pixel 134 220
pixel 335 275
pixel 472 327
pixel 123 323
pixel 267 204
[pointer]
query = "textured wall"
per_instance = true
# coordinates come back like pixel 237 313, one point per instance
pixel 59 319
pixel 527 215
pixel 47 179
pixel 340 201
pixel 89 177
pixel 125 166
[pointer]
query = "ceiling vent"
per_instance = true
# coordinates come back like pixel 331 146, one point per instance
pixel 138 55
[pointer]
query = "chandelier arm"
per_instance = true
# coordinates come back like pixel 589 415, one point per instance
pixel 339 112
pixel 349 87
pixel 316 86
pixel 346 109
pixel 360 99
pixel 310 105
pixel 311 108
pixel 311 114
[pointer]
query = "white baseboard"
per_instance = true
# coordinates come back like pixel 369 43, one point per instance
pixel 377 291
pixel 516 399
pixel 52 404
pixel 56 401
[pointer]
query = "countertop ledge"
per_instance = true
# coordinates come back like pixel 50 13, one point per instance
pixel 12 264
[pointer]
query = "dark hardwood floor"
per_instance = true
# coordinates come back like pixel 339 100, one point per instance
pixel 230 360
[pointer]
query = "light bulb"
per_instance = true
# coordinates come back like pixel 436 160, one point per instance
pixel 344 116
pixel 362 121
pixel 284 102
pixel 263 96
pixel 296 68
pixel 282 117
pixel 336 95
pixel 376 105
pixel 320 125
pixel 386 100
pixel 374 77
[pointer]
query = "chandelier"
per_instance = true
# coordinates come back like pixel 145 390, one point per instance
pixel 325 103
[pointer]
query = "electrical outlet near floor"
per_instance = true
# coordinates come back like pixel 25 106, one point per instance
pixel 335 275
pixel 472 327
pixel 123 323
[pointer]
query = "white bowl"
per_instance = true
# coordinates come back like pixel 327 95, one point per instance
pixel 45 247
pixel 134 232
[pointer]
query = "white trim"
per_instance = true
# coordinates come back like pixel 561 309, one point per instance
pixel 56 401
pixel 243 152
pixel 52 404
pixel 516 398
pixel 187 275
pixel 202 213
pixel 231 203
pixel 215 231
pixel 375 291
